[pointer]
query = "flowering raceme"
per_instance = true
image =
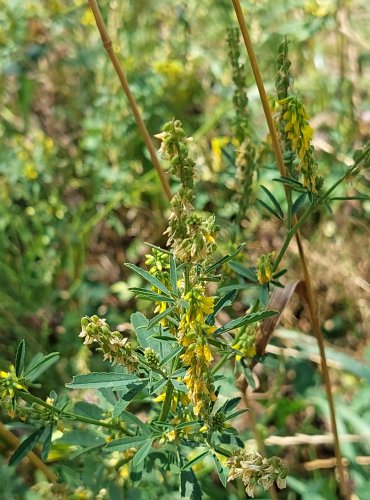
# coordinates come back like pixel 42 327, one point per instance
pixel 300 133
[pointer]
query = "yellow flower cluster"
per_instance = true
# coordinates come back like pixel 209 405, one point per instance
pixel 300 133
pixel 159 265
pixel 217 145
pixel 264 268
pixel 193 335
pixel 9 382
pixel 245 342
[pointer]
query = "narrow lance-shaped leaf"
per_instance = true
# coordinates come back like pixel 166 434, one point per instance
pixel 47 442
pixel 220 470
pixel 246 320
pixel 142 452
pixel 160 316
pixel 270 209
pixel 126 443
pixel 195 460
pixel 35 370
pixel 148 277
pixel 127 398
pixel 100 380
pixel 224 301
pixel 171 355
pixel 229 405
pixel 144 294
pixel 19 358
pixel 248 273
pixel 223 260
pixel 299 202
pixel 173 274
pixel 274 201
pixel 26 446
pixel 288 181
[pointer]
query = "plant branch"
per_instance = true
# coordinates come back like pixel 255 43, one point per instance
pixel 69 415
pixel 107 43
pixel 312 303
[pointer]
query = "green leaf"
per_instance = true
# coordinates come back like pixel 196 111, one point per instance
pixel 82 438
pixel 132 419
pixel 88 410
pixel 173 274
pixel 148 277
pixel 229 405
pixel 163 250
pixel 127 398
pixel 263 294
pixel 126 443
pixel 179 373
pixel 220 470
pixel 223 260
pixel 26 446
pixel 183 425
pixel 157 386
pixel 189 486
pixel 270 209
pixel 224 301
pixel 195 460
pixel 280 273
pixel 246 320
pixel 356 197
pixel 274 202
pixel 171 355
pixel 165 338
pixel 299 202
pixel 143 293
pixel 47 442
pixel 295 185
pixel 100 380
pixel 248 273
pixel 19 358
pixel 160 316
pixel 144 334
pixel 236 413
pixel 249 376
pixel 41 365
pixel 142 452
pixel 235 286
pixel 179 386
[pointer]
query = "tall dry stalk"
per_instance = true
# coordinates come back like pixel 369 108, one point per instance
pixel 311 298
pixel 107 43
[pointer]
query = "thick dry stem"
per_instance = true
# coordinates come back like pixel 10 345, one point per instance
pixel 343 483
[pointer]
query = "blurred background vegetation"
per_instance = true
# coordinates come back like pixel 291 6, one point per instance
pixel 78 195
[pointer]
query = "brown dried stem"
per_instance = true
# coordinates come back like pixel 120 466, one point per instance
pixel 311 300
pixel 107 43
pixel 11 439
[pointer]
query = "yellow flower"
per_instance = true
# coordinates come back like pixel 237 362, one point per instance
pixel 217 145
pixel 30 171
pixel 10 383
pixel 264 268
pixel 87 18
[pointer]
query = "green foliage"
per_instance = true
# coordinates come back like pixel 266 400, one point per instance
pixel 151 414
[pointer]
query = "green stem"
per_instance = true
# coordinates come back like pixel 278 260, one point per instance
pixel 314 206
pixel 69 415
pixel 167 403
pixel 220 363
